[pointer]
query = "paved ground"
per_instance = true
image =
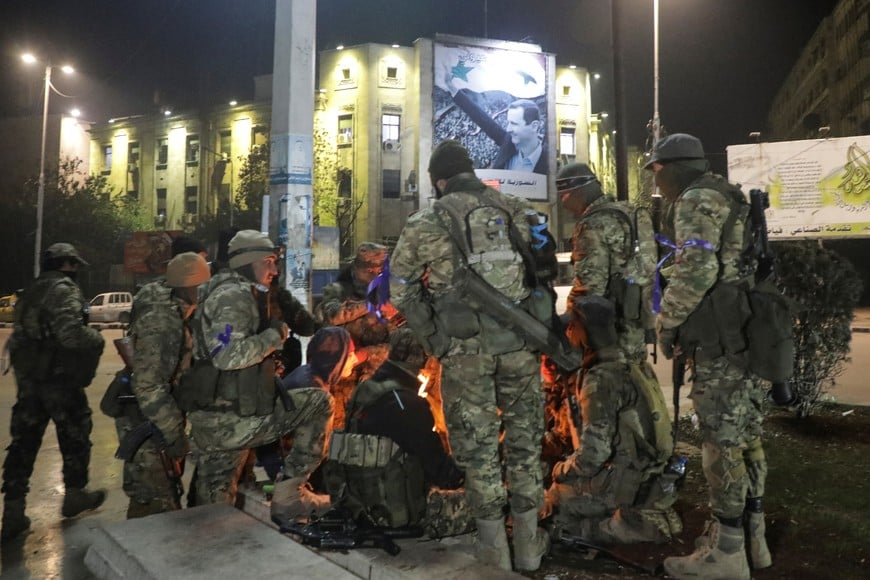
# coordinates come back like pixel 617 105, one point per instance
pixel 56 549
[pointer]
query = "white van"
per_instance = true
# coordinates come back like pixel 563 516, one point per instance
pixel 111 307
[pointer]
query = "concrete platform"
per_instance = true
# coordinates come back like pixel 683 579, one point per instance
pixel 207 542
pixel 419 559
pixel 211 541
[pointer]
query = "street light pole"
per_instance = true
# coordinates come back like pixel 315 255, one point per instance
pixel 40 195
pixel 657 122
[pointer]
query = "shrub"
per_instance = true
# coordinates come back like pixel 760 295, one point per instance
pixel 825 288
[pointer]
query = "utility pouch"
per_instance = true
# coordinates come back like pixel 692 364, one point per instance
pixel 731 311
pixel 112 404
pixel 541 304
pixel 456 318
pixel 198 386
pixel 27 358
pixel 256 389
pixel 700 330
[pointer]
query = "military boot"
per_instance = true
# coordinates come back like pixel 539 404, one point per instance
pixel 759 555
pixel 721 557
pixel 14 520
pixel 491 546
pixel 293 499
pixel 629 526
pixel 78 500
pixel 531 543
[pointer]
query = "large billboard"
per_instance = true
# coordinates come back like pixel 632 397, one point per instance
pixel 149 252
pixel 818 188
pixel 494 101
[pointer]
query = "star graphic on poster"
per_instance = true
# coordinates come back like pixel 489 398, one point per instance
pixel 460 71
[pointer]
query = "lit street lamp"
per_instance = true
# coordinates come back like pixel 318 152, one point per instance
pixel 40 196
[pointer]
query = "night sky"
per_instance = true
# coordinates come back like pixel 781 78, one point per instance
pixel 721 61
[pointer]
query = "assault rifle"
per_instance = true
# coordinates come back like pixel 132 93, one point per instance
pixel 512 315
pixel 337 531
pixel 758 202
pixel 133 440
pixel 575 542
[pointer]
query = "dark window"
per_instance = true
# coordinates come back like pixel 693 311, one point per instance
pixel 226 144
pixel 162 152
pixel 345 183
pixel 345 130
pixel 192 150
pixel 161 201
pixel 191 197
pixel 392 72
pixel 392 183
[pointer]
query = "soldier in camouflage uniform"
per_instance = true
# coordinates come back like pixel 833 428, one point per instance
pixel 344 304
pixel 607 261
pixel 612 488
pixel 55 356
pixel 232 386
pixel 727 399
pixel 390 488
pixel 162 343
pixel 490 379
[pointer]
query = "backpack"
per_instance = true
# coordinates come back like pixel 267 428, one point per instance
pixel 753 318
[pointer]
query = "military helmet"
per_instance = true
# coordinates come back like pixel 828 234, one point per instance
pixel 574 175
pixel 63 250
pixel 674 148
pixel 248 246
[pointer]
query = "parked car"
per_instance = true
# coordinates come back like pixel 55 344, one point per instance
pixel 7 307
pixel 111 307
pixel 564 281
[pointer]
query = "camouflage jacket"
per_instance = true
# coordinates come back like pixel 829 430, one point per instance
pixel 162 344
pixel 426 256
pixel 227 322
pixel 618 426
pixel 700 214
pixel 52 309
pixel 603 248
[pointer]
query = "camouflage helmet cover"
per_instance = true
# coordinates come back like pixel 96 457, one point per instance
pixel 675 147
pixel 63 250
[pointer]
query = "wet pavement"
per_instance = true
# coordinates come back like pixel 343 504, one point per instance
pixel 55 547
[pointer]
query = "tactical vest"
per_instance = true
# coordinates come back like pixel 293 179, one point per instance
pixel 627 288
pixel 248 391
pixel 371 475
pixel 35 352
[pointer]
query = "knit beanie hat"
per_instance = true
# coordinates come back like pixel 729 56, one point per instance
pixel 448 159
pixel 248 246
pixel 187 270
pixel 370 255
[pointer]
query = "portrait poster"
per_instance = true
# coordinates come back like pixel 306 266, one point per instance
pixel 818 188
pixel 494 102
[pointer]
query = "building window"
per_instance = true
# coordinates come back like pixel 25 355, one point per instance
pixel 567 141
pixel 345 74
pixel 259 136
pixel 107 159
pixel 345 130
pixel 191 155
pixel 390 127
pixel 392 182
pixel 161 202
pixel 345 183
pixel 162 152
pixel 392 72
pixel 191 198
pixel 566 90
pixel 225 144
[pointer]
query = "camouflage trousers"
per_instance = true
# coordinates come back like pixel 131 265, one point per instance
pixel 223 440
pixel 37 403
pixel 728 403
pixel 483 393
pixel 447 513
pixel 145 481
